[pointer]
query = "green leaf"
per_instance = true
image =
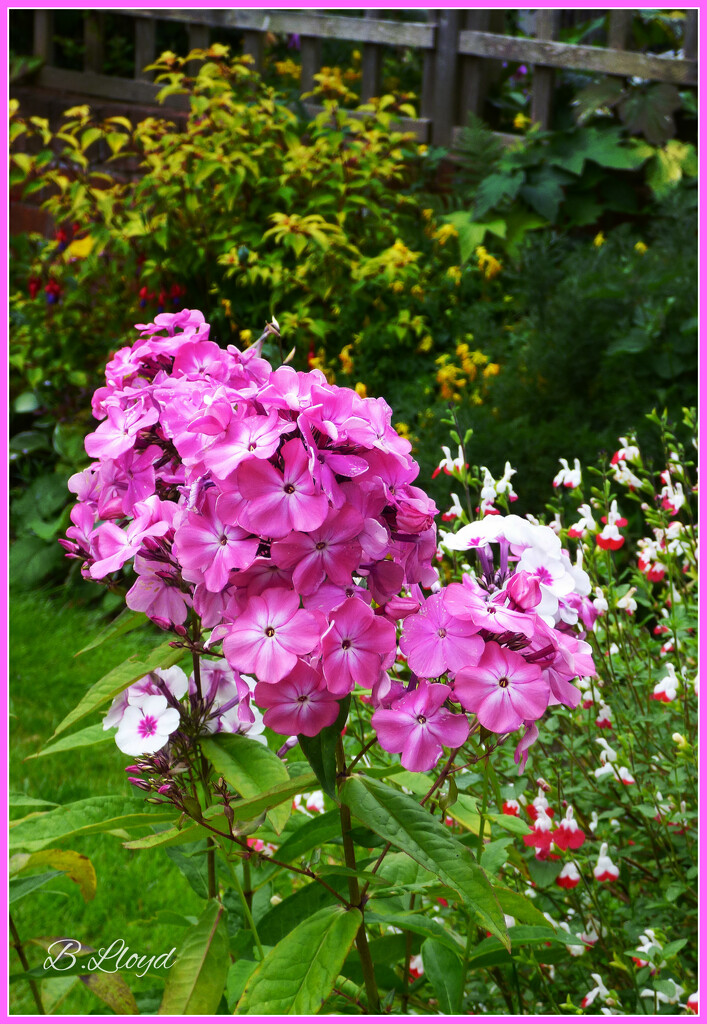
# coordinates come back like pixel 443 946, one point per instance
pixel 196 982
pixel 299 973
pixel 280 920
pixel 88 737
pixel 191 861
pixel 495 854
pixel 85 817
pixel 417 923
pixel 21 800
pixel 118 679
pixel 320 750
pixel 445 973
pixel 649 112
pixel 238 975
pixel 634 342
pixel 20 887
pixel 250 768
pixel 113 990
pixel 510 823
pixel 519 907
pixel 127 621
pixel 26 402
pixel 408 826
pixel 316 831
pixel 494 189
pixel 76 865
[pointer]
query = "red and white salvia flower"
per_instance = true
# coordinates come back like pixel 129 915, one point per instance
pixel 647 945
pixel 569 877
pixel 599 991
pixel 455 511
pixel 610 539
pixel 448 465
pixel 625 776
pixel 604 719
pixel 416 967
pixel 627 603
pixel 693 1002
pixel 541 835
pixel 568 835
pixel 661 996
pixel 666 689
pixel 309 803
pixel 511 807
pixel 584 524
pixel 567 477
pixel 672 496
pixel 605 869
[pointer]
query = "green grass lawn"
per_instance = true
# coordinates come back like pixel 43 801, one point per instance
pixel 136 889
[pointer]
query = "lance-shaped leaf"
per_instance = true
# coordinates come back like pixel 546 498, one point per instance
pixel 113 990
pixel 196 982
pixel 76 865
pixel 126 622
pixel 117 680
pixel 20 887
pixel 409 827
pixel 88 737
pixel 251 769
pixel 299 973
pixel 96 814
pixel 445 973
pixel 320 750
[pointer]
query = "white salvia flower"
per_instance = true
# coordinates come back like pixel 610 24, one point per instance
pixel 662 997
pixel 568 477
pixel 601 991
pixel 456 509
pixel 146 729
pixel 627 602
pixel 605 869
pixel 607 753
pixel 600 602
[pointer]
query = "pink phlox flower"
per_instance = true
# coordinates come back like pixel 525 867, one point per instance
pixel 196 360
pixel 146 729
pixel 414 511
pixel 417 726
pixel 299 704
pixel 156 593
pixel 211 608
pixel 520 755
pixel 289 389
pixel 270 633
pixel 503 689
pixel 385 691
pixel 86 484
pixel 115 547
pixel 174 679
pixel 246 438
pixel 385 579
pixel 434 641
pixel 368 498
pixel 605 870
pixel 329 596
pixel 330 551
pixel 370 426
pixel 262 575
pixel 208 549
pixel 355 647
pixel 276 503
pixel 117 434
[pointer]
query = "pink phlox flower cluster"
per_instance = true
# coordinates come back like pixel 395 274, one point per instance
pixel 279 508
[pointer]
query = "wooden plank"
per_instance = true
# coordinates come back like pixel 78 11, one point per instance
pixel 371 65
pixel 145 45
pixel 581 58
pixel 311 56
pixel 445 88
pixel 543 77
pixel 43 35
pixel 478 74
pixel 619 27
pixel 108 87
pixel 357 30
pixel 93 37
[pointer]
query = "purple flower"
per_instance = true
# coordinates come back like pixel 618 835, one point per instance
pixel 503 690
pixel 417 726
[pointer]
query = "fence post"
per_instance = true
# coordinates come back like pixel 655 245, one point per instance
pixel 428 75
pixel 370 65
pixel 445 78
pixel 93 36
pixel 198 36
pixel 145 31
pixel 545 28
pixel 477 73
pixel 619 28
pixel 690 41
pixel 310 53
pixel 43 35
pixel 254 44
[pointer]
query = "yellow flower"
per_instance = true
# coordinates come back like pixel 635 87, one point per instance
pixel 521 121
pixel 403 429
pixel 599 240
pixel 422 150
pixel 246 337
pixel 288 67
pixel 492 370
pixel 476 398
pixel 425 344
pixel 479 358
pixel 397 287
pixel 455 274
pixel 444 232
pixel 487 264
pixel 347 364
pixel 641 247
pixel 416 292
pixel 361 390
pixel 427 214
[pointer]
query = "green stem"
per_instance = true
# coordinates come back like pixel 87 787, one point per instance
pixel 23 960
pixel 408 953
pixel 246 909
pixel 482 812
pixel 364 952
pixel 247 884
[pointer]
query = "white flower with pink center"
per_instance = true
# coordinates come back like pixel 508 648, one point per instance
pixel 146 729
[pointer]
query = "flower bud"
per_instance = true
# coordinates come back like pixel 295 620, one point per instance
pixel 524 590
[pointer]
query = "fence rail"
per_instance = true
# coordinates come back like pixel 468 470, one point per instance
pixel 461 55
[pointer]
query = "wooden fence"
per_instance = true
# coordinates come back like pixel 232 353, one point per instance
pixel 461 54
